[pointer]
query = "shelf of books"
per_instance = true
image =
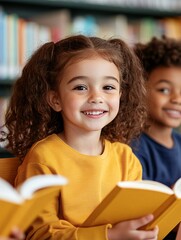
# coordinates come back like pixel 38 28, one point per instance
pixel 20 36
pixel 26 24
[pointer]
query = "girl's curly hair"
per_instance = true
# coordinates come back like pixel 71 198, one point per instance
pixel 163 52
pixel 29 118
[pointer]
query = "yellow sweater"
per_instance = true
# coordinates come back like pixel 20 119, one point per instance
pixel 91 178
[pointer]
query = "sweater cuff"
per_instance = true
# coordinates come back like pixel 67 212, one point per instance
pixel 97 232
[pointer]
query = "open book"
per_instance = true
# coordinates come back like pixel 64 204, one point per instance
pixel 134 199
pixel 19 207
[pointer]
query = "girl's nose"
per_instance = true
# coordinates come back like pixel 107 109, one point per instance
pixel 95 98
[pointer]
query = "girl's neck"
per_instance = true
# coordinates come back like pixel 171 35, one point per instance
pixel 89 144
pixel 162 135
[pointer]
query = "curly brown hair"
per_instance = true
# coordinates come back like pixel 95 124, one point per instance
pixel 29 117
pixel 159 52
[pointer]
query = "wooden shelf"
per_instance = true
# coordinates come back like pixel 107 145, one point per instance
pixel 4 153
pixel 81 6
pixel 5 87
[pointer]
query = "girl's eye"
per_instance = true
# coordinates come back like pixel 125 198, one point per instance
pixel 80 88
pixel 164 90
pixel 109 87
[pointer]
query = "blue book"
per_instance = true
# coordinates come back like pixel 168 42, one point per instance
pixel 3 46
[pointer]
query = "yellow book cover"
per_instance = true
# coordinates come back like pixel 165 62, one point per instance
pixel 134 199
pixel 19 207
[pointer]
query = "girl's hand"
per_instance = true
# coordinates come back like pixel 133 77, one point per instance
pixel 129 230
pixel 16 234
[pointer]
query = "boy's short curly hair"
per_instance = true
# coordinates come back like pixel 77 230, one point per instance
pixel 163 52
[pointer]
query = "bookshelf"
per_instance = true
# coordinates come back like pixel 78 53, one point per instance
pixel 95 17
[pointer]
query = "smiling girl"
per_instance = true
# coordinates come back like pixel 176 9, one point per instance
pixel 74 109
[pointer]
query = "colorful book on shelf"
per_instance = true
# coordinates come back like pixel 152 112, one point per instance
pixel 3 45
pixel 131 200
pixel 3 107
pixel 12 49
pixel 171 27
pixel 148 28
pixel 19 207
pixel 57 21
pixel 22 42
pixel 116 26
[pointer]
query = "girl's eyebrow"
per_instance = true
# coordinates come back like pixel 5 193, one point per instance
pixel 84 78
pixel 164 81
pixel 76 78
pixel 113 78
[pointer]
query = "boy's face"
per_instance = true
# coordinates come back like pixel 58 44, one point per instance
pixel 164 96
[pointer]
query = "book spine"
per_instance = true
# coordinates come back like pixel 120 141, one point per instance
pixel 3 45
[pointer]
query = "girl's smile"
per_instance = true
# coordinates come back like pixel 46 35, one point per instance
pixel 94 113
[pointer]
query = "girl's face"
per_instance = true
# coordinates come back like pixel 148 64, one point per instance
pixel 164 96
pixel 88 95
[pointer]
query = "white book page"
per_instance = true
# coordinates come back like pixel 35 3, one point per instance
pixel 177 188
pixel 9 193
pixel 37 182
pixel 146 184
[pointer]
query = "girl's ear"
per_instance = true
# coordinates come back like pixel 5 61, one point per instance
pixel 120 94
pixel 54 101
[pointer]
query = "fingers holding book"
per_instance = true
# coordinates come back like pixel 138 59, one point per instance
pixel 131 229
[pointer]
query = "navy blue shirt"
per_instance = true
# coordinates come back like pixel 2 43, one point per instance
pixel 159 163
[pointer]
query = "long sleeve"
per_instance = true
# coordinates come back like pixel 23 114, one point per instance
pixel 50 223
pixel 90 179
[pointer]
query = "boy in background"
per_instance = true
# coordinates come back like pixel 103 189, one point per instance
pixel 159 146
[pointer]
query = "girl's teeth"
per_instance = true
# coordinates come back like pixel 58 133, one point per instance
pixel 94 113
